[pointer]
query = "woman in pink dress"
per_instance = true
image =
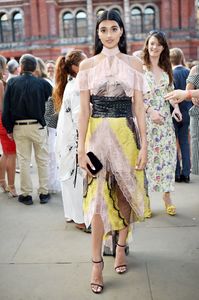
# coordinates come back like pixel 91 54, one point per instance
pixel 114 198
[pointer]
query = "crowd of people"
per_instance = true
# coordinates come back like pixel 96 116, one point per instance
pixel 127 111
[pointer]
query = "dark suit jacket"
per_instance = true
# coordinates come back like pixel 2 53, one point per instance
pixel 180 75
pixel 24 99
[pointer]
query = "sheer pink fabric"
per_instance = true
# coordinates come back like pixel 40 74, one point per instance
pixel 114 142
pixel 112 72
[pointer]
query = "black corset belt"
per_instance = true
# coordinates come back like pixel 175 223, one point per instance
pixel 111 107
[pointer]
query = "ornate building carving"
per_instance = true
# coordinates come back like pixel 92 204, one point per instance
pixel 47 28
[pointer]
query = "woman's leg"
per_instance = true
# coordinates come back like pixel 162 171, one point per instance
pixel 10 168
pixel 3 184
pixel 167 198
pixel 120 258
pixel 170 208
pixel 97 236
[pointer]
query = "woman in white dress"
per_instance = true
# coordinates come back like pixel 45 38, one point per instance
pixel 66 146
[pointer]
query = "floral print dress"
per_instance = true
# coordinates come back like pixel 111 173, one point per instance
pixel 160 169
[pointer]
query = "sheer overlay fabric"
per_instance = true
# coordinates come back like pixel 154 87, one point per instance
pixel 117 192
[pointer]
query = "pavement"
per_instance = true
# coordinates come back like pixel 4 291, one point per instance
pixel 43 258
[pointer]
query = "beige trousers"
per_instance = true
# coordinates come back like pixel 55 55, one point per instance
pixel 27 137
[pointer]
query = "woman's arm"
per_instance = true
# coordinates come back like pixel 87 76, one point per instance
pixel 140 112
pixel 180 95
pixel 140 116
pixel 1 95
pixel 84 115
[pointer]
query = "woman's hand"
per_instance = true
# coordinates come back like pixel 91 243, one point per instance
pixel 156 116
pixel 176 114
pixel 195 101
pixel 177 96
pixel 142 159
pixel 10 136
pixel 83 161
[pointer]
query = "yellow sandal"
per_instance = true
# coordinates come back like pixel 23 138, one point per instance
pixel 171 210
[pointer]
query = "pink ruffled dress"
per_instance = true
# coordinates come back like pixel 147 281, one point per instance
pixel 117 192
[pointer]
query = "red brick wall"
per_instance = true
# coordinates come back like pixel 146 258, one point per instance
pixel 41 19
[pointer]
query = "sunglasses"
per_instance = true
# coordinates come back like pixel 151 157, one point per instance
pixel 157 32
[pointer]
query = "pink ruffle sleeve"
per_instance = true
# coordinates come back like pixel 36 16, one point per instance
pixel 82 79
pixel 140 82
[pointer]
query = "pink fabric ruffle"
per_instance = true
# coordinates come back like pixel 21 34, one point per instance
pixel 119 71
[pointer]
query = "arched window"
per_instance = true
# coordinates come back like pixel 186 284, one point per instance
pixel 5 30
pixel 81 24
pixel 149 19
pixel 17 27
pixel 136 20
pixel 117 10
pixel 68 26
pixel 99 12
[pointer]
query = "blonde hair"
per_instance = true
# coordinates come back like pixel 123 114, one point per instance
pixel 177 57
pixel 41 67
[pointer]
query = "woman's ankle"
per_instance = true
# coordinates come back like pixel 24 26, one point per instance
pixel 167 199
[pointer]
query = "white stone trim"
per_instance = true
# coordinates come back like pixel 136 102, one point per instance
pixel 157 13
pixel 61 13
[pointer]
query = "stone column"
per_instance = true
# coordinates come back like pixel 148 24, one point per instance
pixel 175 13
pixel 43 15
pixel 52 17
pixel 165 15
pixel 35 21
pixel 127 20
pixel 27 20
pixel 90 20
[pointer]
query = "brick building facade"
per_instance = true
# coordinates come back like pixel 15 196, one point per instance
pixel 48 28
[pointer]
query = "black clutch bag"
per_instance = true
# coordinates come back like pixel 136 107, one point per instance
pixel 95 162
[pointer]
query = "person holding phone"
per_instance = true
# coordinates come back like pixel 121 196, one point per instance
pixel 114 197
pixel 160 169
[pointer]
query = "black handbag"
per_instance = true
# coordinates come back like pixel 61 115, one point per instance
pixel 95 162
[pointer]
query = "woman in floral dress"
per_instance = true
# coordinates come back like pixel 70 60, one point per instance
pixel 161 141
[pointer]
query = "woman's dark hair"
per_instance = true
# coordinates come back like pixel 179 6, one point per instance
pixel 111 15
pixel 164 60
pixel 63 68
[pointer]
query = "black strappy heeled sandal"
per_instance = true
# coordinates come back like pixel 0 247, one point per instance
pixel 121 269
pixel 95 287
